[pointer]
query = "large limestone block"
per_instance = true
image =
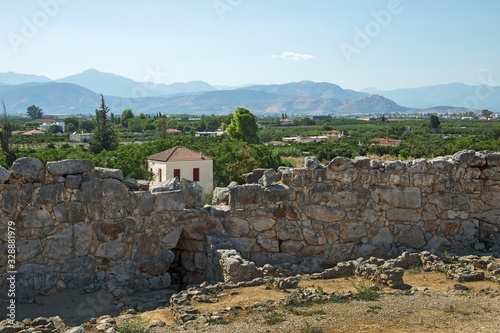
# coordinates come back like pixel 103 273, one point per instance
pixel 194 193
pixel 403 215
pixel 409 235
pixel 74 240
pixel 247 196
pixel 352 231
pixel 447 201
pixel 261 223
pixel 111 250
pixel 268 242
pixel 235 226
pixel 109 231
pixel 319 192
pixel 398 196
pixel 493 159
pixel 145 201
pixel 324 213
pixel 78 272
pixel 277 193
pixel 351 196
pixel 157 265
pixel 383 237
pixel 289 230
pixel 34 279
pixel 123 273
pixel 90 190
pixel 69 167
pixel 35 221
pixel 4 174
pixel 27 249
pixel 70 212
pixel 117 201
pixel 103 173
pixel 28 169
pixel 51 194
pixel 172 200
pixel 339 163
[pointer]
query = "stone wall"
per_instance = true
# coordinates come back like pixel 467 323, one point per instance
pixel 82 226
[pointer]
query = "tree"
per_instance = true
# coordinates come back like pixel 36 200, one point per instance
pixel 434 122
pixel 487 113
pixel 126 115
pixel 243 126
pixel 54 129
pixel 5 135
pixel 71 123
pixel 104 137
pixel 34 112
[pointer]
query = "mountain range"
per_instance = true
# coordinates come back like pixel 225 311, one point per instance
pixel 79 93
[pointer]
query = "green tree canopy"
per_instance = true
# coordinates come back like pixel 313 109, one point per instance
pixel 104 137
pixel 434 122
pixel 243 126
pixel 34 112
pixel 5 136
pixel 126 115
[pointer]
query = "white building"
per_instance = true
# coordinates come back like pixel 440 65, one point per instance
pixel 181 162
pixel 46 126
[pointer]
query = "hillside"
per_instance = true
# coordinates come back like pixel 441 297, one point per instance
pixel 453 94
pixel 117 85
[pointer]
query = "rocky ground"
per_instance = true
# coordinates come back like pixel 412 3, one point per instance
pixel 460 294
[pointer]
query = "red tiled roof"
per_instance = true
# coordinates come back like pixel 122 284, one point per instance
pixel 179 154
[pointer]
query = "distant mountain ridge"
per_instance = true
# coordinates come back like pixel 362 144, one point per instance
pixel 80 94
pixel 452 94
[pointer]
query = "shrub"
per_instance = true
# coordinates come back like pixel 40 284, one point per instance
pixel 365 292
pixel 311 329
pixel 133 325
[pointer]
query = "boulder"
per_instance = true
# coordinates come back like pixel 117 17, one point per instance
pixel 103 173
pixel 268 178
pixel 234 268
pixel 69 167
pixel 78 272
pixel 34 279
pixel 4 174
pixel 28 170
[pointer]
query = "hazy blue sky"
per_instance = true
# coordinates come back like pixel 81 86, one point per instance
pixel 357 44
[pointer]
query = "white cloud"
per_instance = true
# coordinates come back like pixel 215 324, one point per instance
pixel 293 56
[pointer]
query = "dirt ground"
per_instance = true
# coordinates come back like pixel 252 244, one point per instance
pixel 433 306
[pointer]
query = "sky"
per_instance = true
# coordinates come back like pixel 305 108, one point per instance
pixel 386 44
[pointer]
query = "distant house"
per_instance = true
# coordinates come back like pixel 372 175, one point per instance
pixel 181 162
pixel 46 126
pixel 219 132
pixel 80 137
pixel 388 142
pixel 286 122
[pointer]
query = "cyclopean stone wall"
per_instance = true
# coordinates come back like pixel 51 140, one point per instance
pixel 82 226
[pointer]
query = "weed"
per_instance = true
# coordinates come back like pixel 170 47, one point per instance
pixel 307 313
pixel 447 258
pixel 415 269
pixel 374 309
pixel 219 322
pixel 133 325
pixel 365 292
pixel 274 318
pixel 452 310
pixel 320 290
pixel 311 329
